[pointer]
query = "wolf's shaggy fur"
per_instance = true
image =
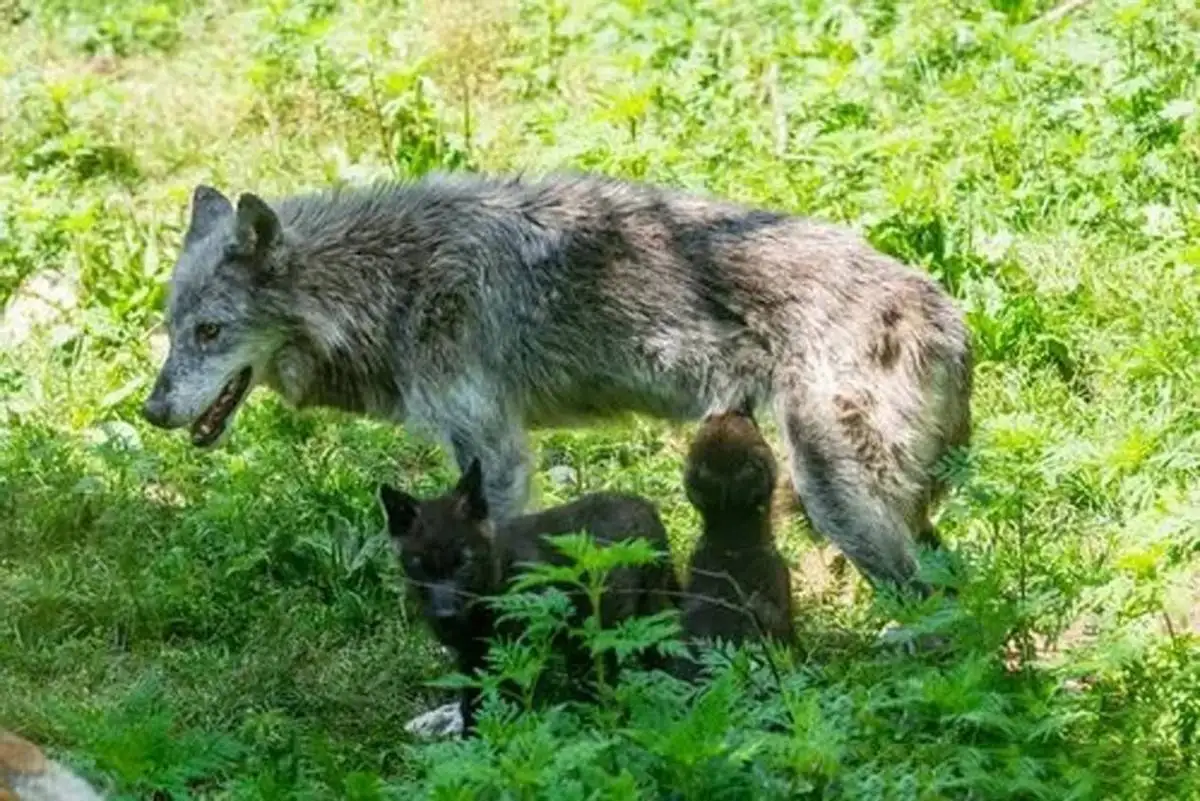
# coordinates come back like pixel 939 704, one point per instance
pixel 479 307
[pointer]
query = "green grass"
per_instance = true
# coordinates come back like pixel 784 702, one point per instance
pixel 228 625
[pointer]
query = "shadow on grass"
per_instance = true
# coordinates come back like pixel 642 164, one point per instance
pixel 166 618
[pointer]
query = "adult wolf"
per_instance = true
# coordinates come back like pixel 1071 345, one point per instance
pixel 479 307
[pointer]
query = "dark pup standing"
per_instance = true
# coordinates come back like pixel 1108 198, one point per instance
pixel 477 307
pixel 739 586
pixel 454 558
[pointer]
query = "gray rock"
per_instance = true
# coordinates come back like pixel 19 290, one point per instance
pixel 445 721
pixel 563 475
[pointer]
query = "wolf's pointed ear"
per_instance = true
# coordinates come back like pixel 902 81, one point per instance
pixel 258 229
pixel 400 510
pixel 469 490
pixel 209 207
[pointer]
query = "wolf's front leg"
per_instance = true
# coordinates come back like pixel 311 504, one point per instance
pixel 502 448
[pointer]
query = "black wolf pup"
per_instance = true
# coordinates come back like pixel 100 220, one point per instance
pixel 455 558
pixel 739 587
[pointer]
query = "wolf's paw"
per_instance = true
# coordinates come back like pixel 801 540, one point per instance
pixel 445 721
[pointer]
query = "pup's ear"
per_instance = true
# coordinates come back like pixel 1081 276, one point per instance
pixel 400 509
pixel 258 229
pixel 209 207
pixel 470 492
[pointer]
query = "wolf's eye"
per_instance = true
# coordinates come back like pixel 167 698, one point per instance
pixel 207 332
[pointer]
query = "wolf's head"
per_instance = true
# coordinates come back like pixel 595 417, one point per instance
pixel 444 544
pixel 730 467
pixel 225 316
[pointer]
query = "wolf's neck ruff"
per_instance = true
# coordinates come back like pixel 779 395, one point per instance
pixel 362 302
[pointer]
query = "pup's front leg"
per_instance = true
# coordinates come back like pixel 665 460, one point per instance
pixel 468 706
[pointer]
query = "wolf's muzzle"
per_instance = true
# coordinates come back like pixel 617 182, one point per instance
pixel 156 410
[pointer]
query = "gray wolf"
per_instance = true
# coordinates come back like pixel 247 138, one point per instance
pixel 454 559
pixel 475 308
pixel 739 587
pixel 27 774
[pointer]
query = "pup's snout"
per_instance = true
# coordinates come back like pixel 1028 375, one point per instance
pixel 444 599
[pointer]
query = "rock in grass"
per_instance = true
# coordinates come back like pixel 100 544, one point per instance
pixel 445 721
pixel 563 476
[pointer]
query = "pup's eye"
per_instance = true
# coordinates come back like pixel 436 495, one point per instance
pixel 207 332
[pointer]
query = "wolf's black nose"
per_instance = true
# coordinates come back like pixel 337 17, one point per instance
pixel 155 411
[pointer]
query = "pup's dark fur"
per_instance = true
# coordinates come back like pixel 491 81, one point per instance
pixel 729 478
pixel 454 558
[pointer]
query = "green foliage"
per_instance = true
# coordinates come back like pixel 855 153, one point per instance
pixel 229 625
pixel 881 726
pixel 108 28
pixel 140 745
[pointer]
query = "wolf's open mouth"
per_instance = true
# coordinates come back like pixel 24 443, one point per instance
pixel 209 427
